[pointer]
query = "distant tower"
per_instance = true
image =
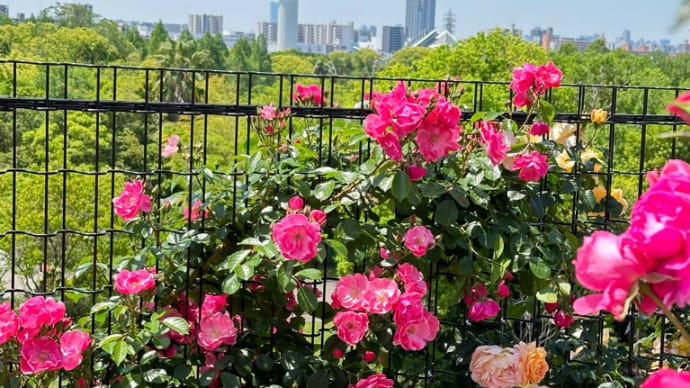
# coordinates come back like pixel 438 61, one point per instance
pixel 274 12
pixel 449 21
pixel 420 17
pixel 287 24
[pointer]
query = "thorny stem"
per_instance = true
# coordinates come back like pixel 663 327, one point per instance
pixel 647 291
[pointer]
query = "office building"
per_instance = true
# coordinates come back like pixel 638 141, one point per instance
pixel 274 12
pixel 201 24
pixel 420 17
pixel 287 24
pixel 392 38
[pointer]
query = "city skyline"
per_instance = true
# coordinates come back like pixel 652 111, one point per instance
pixel 586 17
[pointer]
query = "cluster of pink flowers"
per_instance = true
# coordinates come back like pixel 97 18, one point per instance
pixel 378 380
pixel 520 365
pixel 40 331
pixel 195 212
pixel 132 201
pixel 133 282
pixel 655 250
pixel 171 147
pixel 418 240
pixel 531 81
pixel 360 296
pixel 494 142
pixel 298 235
pixel 308 95
pixel 424 116
pixel 480 306
pixel 666 378
pixel 270 119
pixel 532 166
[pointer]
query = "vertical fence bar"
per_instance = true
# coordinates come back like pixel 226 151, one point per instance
pixel 63 234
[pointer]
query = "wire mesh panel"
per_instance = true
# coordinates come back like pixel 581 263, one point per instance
pixel 93 127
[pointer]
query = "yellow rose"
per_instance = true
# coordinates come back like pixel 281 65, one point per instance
pixel 599 193
pixel 588 155
pixel 494 366
pixel 599 116
pixel 563 160
pixel 681 347
pixel 563 134
pixel 533 365
pixel 617 194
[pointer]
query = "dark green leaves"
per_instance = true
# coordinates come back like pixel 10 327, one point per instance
pixel 306 299
pixel 177 324
pixel 324 190
pixel 401 185
pixel 446 213
pixel 540 269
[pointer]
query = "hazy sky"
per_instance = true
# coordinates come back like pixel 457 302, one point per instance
pixel 644 18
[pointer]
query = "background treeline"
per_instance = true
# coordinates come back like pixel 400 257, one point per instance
pixel 74 34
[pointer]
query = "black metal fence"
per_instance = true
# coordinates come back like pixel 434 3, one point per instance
pixel 41 230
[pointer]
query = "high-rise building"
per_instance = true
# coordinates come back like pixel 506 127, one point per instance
pixel 627 36
pixel 420 17
pixel 325 38
pixel 392 38
pixel 269 30
pixel 201 24
pixel 287 24
pixel 274 12
pixel 4 10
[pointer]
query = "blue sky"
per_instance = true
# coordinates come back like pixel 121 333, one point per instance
pixel 646 19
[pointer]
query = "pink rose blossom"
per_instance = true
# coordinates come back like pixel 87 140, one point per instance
pixel 383 252
pixel 195 212
pixel 131 201
pixel 133 282
pixel 539 129
pixel 503 290
pixel 297 238
pixel 667 378
pixel 338 353
pixel 217 330
pixel 391 146
pixel 9 322
pixel 296 203
pixel 213 304
pixel 435 142
pixel 39 311
pixel 532 166
pixel 679 107
pixel 481 310
pixel 418 239
pixel 495 367
pixel 494 142
pixel 72 345
pixel 378 380
pixel 563 319
pixel 369 356
pixel 408 116
pixel 414 334
pixel 310 95
pixel 171 147
pixel 550 307
pixel 351 326
pixel 412 279
pixel 381 295
pixel 318 216
pixel 351 290
pixel 375 126
pixel 531 80
pixel 40 355
pixel 268 112
pixel 416 173
pixel 409 307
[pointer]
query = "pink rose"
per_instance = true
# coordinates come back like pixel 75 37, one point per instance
pixel 351 326
pixel 414 334
pixel 535 80
pixel 435 142
pixel 680 107
pixel 408 308
pixel 310 95
pixel 408 116
pixel 133 282
pixel 210 360
pixel 375 126
pixel 380 296
pixel 39 311
pixel 378 380
pixel 131 201
pixel 9 322
pixel 672 167
pixel 296 203
pixel 550 307
pixel 383 252
pixel 416 173
pixel 481 310
pixel 503 290
pixel 338 353
pixel 391 146
pixel 268 112
pixel 563 319
pixel 213 304
pixel 318 216
pixel 412 279
pixel 603 265
pixel 539 129
pixel 216 330
pixel 494 142
pixel 418 239
pixel 72 345
pixel 549 76
pixel 369 356
pixel 171 147
pixel 532 166
pixel 195 212
pixel 40 355
pixel 495 367
pixel 297 238
pixel 351 290
pixel 667 378
pixel 523 78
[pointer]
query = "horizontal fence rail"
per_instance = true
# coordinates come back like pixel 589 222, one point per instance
pixel 53 253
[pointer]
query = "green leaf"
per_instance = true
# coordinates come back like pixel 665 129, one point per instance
pixel 547 111
pixel 460 196
pixel 537 205
pixel 244 271
pixel 148 357
pixel 234 260
pixel 590 200
pixel 156 376
pixel 318 379
pixel 324 190
pixel 119 352
pixel 307 299
pixel 401 186
pixel 103 306
pixel 446 213
pixel 476 117
pixel 231 285
pixel 230 380
pixel 339 248
pixel 540 269
pixel 310 273
pixel 564 287
pixel 177 324
pixel 547 295
pixel 349 230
